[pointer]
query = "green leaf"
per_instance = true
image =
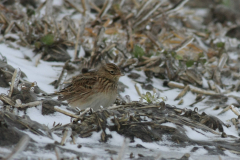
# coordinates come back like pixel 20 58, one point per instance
pixel 173 54
pixel 38 45
pixel 202 61
pixel 178 57
pixel 30 12
pixel 220 44
pixel 189 63
pixel 158 53
pixel 226 3
pixel 47 39
pixel 138 51
pixel 200 55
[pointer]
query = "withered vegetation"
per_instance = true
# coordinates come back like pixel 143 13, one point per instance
pixel 164 39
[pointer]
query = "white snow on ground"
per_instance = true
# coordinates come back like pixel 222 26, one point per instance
pixel 44 74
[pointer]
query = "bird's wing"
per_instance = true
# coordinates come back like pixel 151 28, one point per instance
pixel 80 86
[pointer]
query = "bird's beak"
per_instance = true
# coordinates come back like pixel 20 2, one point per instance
pixel 121 74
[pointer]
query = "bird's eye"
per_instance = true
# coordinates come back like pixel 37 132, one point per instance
pixel 112 72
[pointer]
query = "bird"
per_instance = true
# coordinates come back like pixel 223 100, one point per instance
pixel 93 89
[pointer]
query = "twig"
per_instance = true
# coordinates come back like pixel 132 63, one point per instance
pixel 143 7
pixel 123 149
pixel 30 104
pixel 197 101
pixel 183 93
pixel 74 6
pixel 15 80
pixel 95 7
pixel 21 145
pixel 66 134
pixel 147 15
pixel 65 112
pixel 6 99
pixel 58 153
pixel 84 6
pixel 105 8
pixel 61 75
pixel 76 51
pixel 154 40
pixel 183 44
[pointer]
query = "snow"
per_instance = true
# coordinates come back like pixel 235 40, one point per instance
pixel 45 73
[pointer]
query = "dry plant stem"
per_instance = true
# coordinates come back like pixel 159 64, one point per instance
pixel 181 102
pixel 38 59
pixel 137 89
pixel 15 80
pixel 41 6
pixel 21 145
pixel 130 36
pixel 30 104
pixel 143 7
pixel 183 44
pixel 136 3
pixel 98 39
pixel 58 153
pixel 183 93
pixel 66 134
pixel 108 48
pixel 23 39
pixel 147 15
pixel 76 52
pixel 197 102
pixel 222 61
pixel 6 99
pixel 7 72
pixel 158 157
pixel 123 51
pixel 154 40
pixel 61 75
pixel 121 3
pixel 95 7
pixel 19 27
pixel 9 28
pixel 73 31
pixel 230 107
pixel 4 18
pixel 173 84
pixel 237 85
pixel 105 8
pixel 150 106
pixel 123 149
pixel 65 112
pixel 115 107
pixel 177 6
pixel 191 123
pixel 213 86
pixel 85 111
pixel 74 6
pixel 202 91
pixel 130 15
pixel 84 7
pixel 171 10
pixel 45 28
pixel 235 152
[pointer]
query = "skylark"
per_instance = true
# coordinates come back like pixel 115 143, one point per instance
pixel 93 88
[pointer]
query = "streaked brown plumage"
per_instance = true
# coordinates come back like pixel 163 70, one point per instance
pixel 93 89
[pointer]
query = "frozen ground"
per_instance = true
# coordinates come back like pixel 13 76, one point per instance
pixel 44 74
pixel 47 72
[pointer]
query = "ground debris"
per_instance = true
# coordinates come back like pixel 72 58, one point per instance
pixel 191 49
